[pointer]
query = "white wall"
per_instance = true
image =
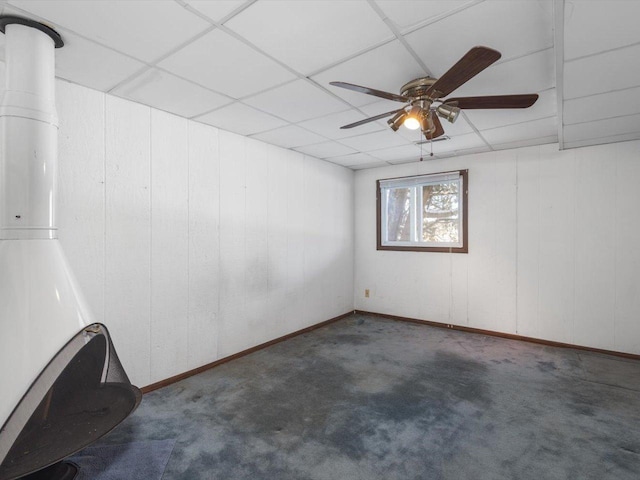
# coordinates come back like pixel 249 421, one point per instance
pixel 554 248
pixel 191 243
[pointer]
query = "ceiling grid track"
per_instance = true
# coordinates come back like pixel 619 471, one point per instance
pixel 298 75
pixel 27 14
pixel 591 95
pixel 603 52
pixel 147 65
pixel 394 25
pixel 437 18
pixel 154 64
pixel 399 36
pixel 220 25
pixel 475 129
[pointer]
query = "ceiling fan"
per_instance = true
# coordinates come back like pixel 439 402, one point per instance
pixel 421 94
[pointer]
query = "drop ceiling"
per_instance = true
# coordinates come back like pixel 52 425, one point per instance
pixel 262 68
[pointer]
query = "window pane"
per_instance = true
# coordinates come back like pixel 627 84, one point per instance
pixel 441 212
pixel 423 213
pixel 398 214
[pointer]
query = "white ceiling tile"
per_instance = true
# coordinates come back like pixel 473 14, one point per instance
pixel 529 74
pixel 369 165
pixel 225 64
pixel 385 68
pixel 403 152
pixel 446 155
pixel 353 159
pixel 602 128
pixel 329 125
pixel 215 10
pixel 411 160
pixel 132 27
pixel 513 27
pixel 602 140
pixel 595 26
pixel 311 34
pixel 604 105
pixel 92 65
pixel 407 13
pixel 470 151
pixel 326 149
pixel 461 142
pixel 460 127
pixel 375 141
pixel 289 136
pixel 602 73
pixel 546 106
pixel 411 136
pixel 167 92
pixel 544 127
pixel 296 101
pixel 527 143
pixel 242 119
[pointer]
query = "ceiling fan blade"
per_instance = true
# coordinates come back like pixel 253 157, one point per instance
pixel 474 61
pixel 371 119
pixel 372 91
pixel 439 131
pixel 495 101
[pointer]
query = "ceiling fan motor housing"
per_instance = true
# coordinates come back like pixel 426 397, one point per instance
pixel 418 87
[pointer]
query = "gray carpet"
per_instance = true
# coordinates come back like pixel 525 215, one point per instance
pixel 132 461
pixel 370 398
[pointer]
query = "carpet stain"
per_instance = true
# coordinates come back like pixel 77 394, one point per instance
pixel 315 400
pixel 301 399
pixel 581 405
pixel 546 367
pixel 384 400
pixel 350 339
pixel 629 450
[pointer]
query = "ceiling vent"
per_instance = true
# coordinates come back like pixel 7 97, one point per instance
pixel 435 140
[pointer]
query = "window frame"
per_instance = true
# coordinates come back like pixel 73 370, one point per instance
pixel 464 174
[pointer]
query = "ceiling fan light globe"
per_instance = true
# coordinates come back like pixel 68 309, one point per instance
pixel 413 118
pixel 448 112
pixel 412 123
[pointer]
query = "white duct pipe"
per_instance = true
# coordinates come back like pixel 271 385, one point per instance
pixel 41 307
pixel 29 126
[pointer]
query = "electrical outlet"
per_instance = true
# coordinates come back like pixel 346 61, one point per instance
pixel 366 293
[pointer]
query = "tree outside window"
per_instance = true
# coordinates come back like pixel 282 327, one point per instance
pixel 423 213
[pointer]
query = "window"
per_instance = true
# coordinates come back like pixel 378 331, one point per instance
pixel 425 213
